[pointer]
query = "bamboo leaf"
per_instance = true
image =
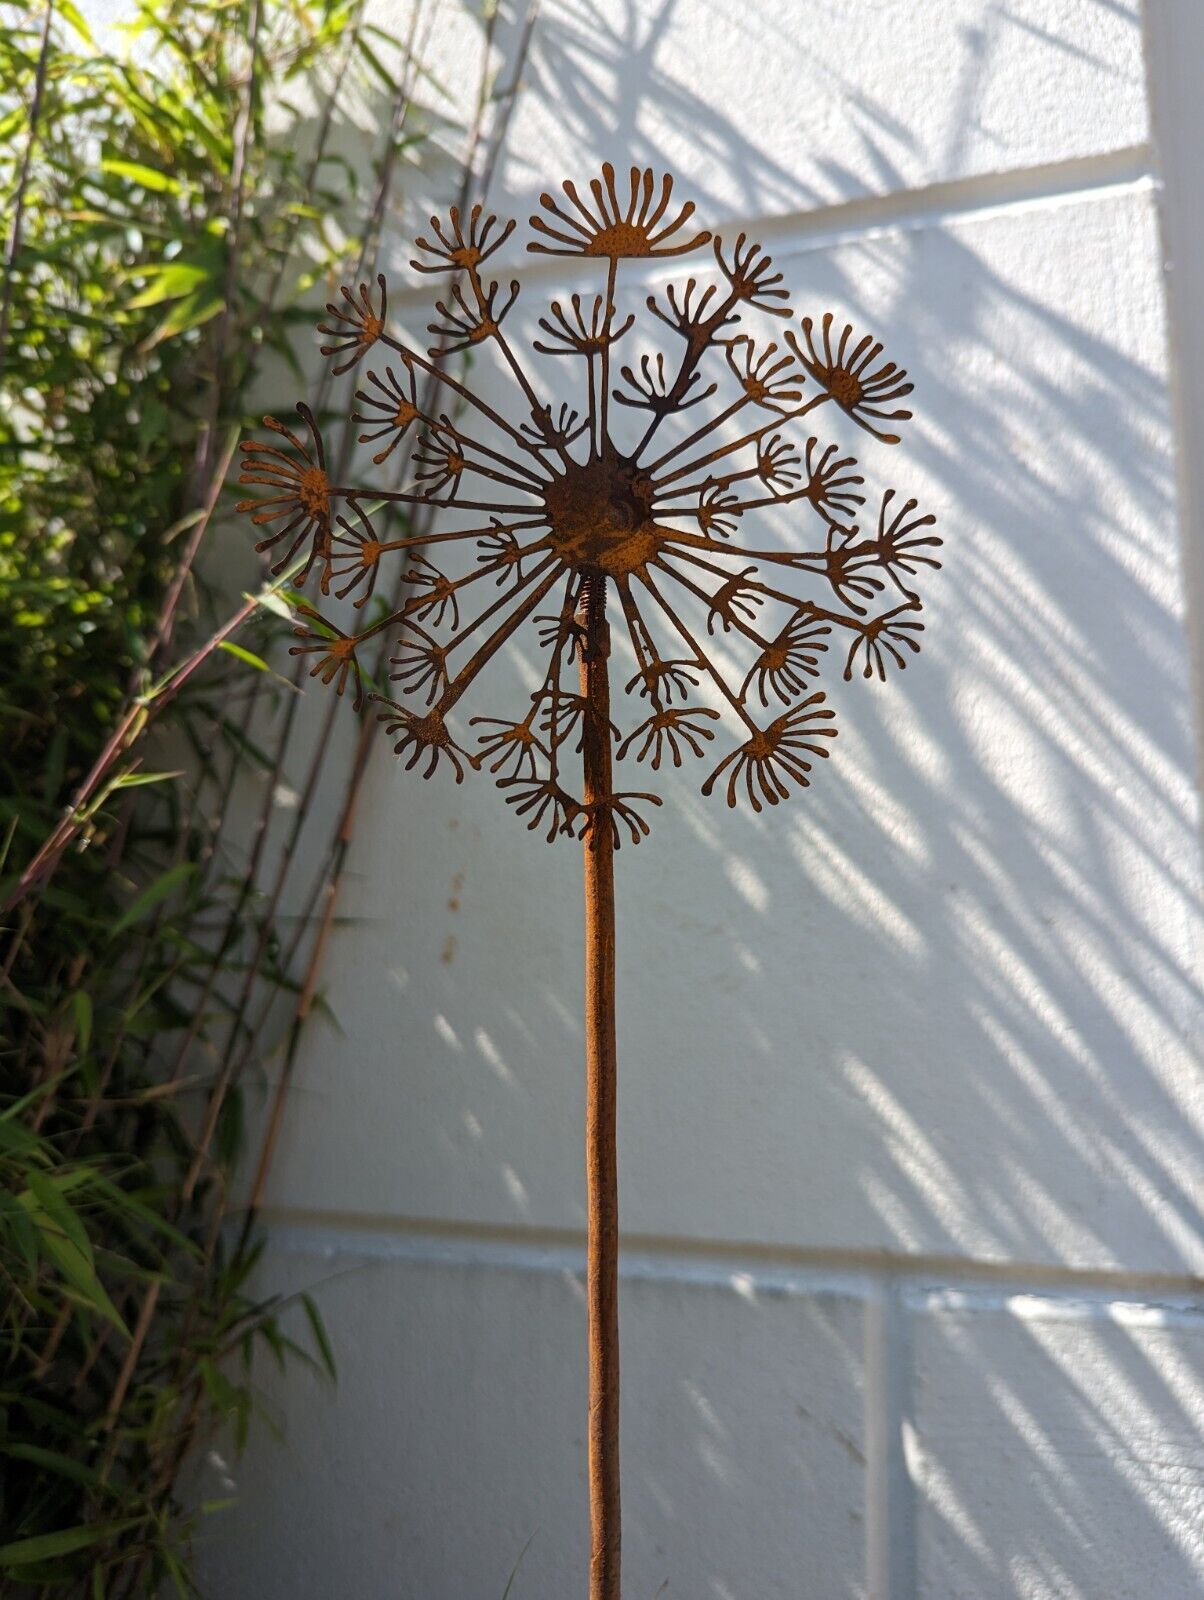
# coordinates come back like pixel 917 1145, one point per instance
pixel 191 312
pixel 318 1328
pixel 55 1461
pixel 221 1392
pixel 271 600
pixel 148 177
pixel 516 1566
pixel 242 654
pixel 63 1238
pixel 14 1137
pixel 50 1198
pixel 136 780
pixel 78 1273
pixel 71 12
pixel 46 1546
pixel 376 65
pixel 18 1232
pixel 182 524
pixel 150 897
pixel 81 1008
pixel 170 282
pixel 176 1573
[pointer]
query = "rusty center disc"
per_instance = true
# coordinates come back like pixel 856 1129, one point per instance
pixel 600 513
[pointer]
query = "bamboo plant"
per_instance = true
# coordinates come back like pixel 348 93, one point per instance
pixel 158 244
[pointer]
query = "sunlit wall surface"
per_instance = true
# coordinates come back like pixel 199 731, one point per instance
pixel 910 1114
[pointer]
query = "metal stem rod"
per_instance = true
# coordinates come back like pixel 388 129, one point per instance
pixel 601 1166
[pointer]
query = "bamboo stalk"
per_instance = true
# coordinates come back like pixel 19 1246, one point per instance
pixel 601 1163
pixel 13 247
pixel 128 729
pixel 231 1064
pixel 327 886
pixel 243 133
pixel 332 886
pixel 234 922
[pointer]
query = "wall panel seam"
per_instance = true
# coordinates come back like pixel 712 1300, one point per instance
pixel 745 1268
pixel 1084 178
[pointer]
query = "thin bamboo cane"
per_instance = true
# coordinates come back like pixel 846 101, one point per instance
pixel 13 246
pixel 124 735
pixel 231 1062
pixel 243 136
pixel 327 886
pixel 331 887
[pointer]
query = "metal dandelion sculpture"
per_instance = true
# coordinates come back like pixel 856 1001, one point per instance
pixel 543 509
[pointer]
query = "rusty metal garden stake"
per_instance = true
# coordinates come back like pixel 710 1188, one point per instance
pixel 601 1093
pixel 549 503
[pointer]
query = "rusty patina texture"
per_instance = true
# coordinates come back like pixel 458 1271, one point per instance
pixel 545 504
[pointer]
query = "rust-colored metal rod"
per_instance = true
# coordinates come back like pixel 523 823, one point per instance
pixel 601 1164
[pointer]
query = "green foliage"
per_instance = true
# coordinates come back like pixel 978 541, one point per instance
pixel 171 199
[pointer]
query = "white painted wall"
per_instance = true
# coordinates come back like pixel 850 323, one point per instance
pixel 910 1112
